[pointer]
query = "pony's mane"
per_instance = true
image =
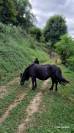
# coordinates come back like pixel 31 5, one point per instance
pixel 27 69
pixel 26 72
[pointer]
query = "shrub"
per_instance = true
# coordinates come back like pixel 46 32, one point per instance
pixel 70 62
pixel 65 47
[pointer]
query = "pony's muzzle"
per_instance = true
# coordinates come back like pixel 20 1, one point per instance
pixel 21 83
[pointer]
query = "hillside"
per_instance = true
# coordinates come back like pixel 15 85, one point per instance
pixel 23 110
pixel 17 50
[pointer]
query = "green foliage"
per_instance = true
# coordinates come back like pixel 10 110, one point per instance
pixel 7 11
pixel 55 27
pixel 16 12
pixel 70 62
pixel 65 47
pixel 36 33
pixel 24 16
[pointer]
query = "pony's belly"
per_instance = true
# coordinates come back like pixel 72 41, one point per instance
pixel 42 75
pixel 43 78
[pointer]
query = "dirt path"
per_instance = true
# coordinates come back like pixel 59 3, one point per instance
pixel 13 105
pixel 3 89
pixel 32 108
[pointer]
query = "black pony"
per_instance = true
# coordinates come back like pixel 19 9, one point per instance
pixel 43 72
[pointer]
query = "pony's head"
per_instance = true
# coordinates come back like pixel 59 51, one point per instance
pixel 24 77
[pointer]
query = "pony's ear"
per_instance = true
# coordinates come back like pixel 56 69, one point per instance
pixel 21 75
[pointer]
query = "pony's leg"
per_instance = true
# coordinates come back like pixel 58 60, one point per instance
pixel 56 86
pixel 51 88
pixel 33 83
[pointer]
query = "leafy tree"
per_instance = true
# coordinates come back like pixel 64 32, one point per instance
pixel 16 12
pixel 24 16
pixel 55 27
pixel 7 11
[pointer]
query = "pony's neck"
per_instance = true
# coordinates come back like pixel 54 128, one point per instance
pixel 27 73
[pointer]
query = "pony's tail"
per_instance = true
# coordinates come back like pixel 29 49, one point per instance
pixel 60 78
pixel 63 81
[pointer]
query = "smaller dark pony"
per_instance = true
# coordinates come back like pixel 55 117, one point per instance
pixel 43 72
pixel 36 61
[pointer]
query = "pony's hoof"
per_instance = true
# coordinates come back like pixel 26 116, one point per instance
pixel 33 89
pixel 51 89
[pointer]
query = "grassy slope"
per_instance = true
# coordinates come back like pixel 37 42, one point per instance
pixel 56 110
pixel 17 50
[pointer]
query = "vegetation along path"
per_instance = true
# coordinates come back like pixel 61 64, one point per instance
pixel 32 108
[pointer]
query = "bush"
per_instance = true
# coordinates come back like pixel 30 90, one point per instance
pixel 70 62
pixel 65 47
pixel 36 33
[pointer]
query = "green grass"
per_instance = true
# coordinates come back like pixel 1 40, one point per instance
pixel 17 50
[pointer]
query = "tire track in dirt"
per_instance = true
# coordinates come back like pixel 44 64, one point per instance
pixel 12 106
pixel 4 90
pixel 17 101
pixel 32 108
